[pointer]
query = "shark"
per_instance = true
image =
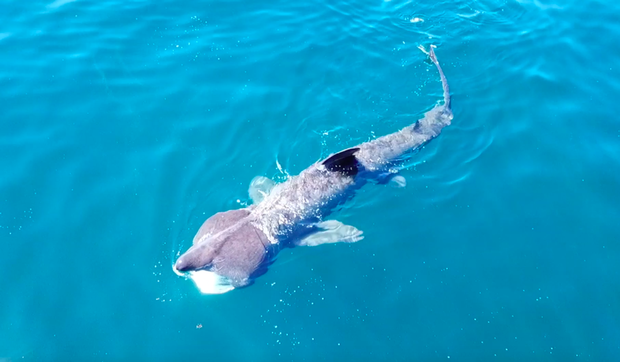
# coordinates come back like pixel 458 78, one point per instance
pixel 232 248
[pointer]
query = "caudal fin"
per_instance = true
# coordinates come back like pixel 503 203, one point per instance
pixel 444 81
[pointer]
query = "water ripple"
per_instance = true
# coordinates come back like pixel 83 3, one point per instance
pixel 127 123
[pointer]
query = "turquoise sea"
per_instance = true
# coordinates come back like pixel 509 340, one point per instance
pixel 125 124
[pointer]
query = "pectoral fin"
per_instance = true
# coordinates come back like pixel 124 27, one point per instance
pixel 331 231
pixel 392 179
pixel 260 187
pixel 398 181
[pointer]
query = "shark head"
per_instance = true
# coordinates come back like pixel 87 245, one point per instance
pixel 198 257
pixel 227 252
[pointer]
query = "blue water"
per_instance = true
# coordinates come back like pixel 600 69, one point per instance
pixel 125 124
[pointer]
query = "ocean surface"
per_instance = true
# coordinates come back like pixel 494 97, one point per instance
pixel 125 124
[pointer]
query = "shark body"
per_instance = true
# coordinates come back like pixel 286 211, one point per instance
pixel 234 247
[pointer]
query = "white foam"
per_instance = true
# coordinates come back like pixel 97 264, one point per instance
pixel 209 282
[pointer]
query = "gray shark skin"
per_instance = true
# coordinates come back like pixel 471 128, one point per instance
pixel 234 247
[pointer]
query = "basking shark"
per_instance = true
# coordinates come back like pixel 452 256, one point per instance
pixel 234 247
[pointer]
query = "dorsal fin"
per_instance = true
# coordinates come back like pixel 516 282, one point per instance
pixel 343 161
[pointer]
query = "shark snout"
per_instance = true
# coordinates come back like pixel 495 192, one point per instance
pixel 198 257
pixel 183 265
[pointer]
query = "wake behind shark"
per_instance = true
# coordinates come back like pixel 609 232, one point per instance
pixel 234 247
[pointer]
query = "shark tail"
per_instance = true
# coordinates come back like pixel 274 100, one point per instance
pixel 444 81
pixel 375 154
